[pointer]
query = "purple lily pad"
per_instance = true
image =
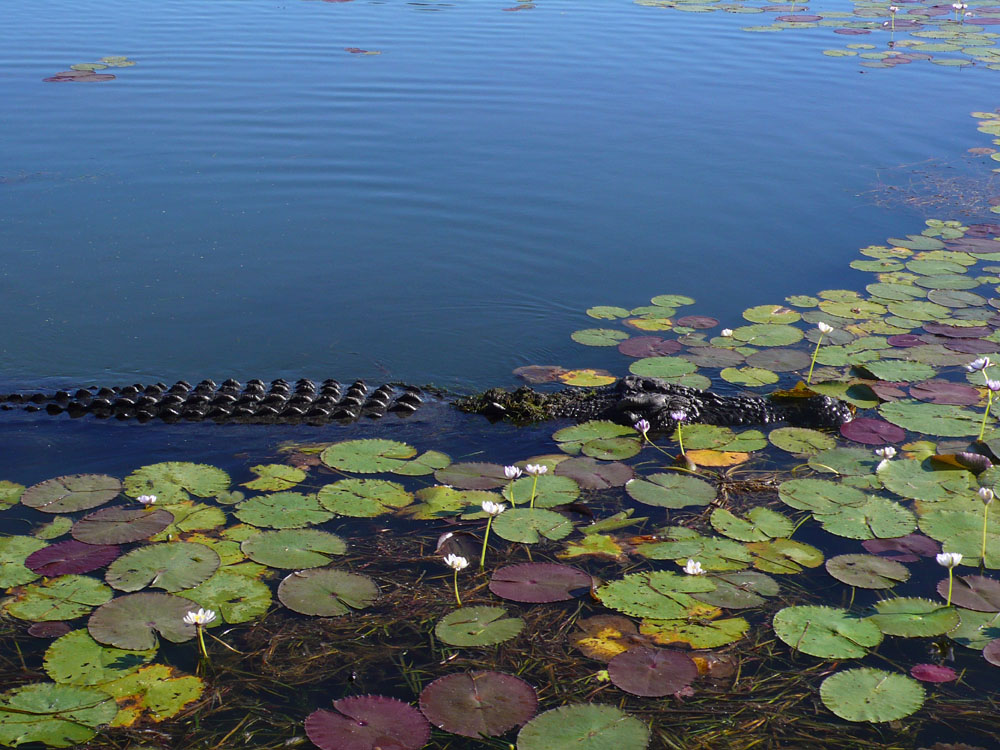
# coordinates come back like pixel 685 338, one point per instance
pixel 799 19
pixel 905 340
pixel 78 76
pixel 852 32
pixel 53 629
pixel 909 548
pixel 872 431
pixel 121 525
pixel 885 391
pixel 592 474
pixel 649 346
pixel 652 672
pixel 368 722
pixel 478 704
pixel 472 476
pixel 971 346
pixel 992 652
pixel 710 356
pixel 779 360
pixel 933 673
pixel 978 593
pixel 71 557
pixel 943 392
pixel 697 321
pixel 539 582
pixel 539 373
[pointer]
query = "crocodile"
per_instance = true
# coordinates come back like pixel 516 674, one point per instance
pixel 628 401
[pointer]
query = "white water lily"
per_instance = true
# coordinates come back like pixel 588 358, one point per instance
pixel 726 332
pixel 693 568
pixel 536 470
pixel 894 9
pixel 456 562
pixel 146 500
pixel 949 559
pixel 986 495
pixel 200 618
pixel 511 472
pixel 493 509
pixel 824 328
pixel 980 363
pixel 886 452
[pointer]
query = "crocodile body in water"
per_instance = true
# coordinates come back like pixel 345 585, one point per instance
pixel 627 401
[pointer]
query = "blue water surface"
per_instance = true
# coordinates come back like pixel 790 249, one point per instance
pixel 252 200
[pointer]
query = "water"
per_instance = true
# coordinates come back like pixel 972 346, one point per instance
pixel 252 200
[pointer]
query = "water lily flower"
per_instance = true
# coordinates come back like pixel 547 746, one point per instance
pixel 146 500
pixel 949 560
pixel 986 495
pixel 693 568
pixel 492 510
pixel 893 10
pixel 456 563
pixel 824 327
pixel 679 416
pixel 992 386
pixel 726 332
pixel 886 454
pixel 535 470
pixel 980 363
pixel 200 619
pixel 642 426
pixel 511 472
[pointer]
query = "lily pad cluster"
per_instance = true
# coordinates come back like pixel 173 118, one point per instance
pixel 87 72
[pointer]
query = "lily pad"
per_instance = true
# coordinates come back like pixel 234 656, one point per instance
pixel 911 617
pixel 739 590
pixel 274 477
pixel 62 598
pixel 932 419
pixel 871 695
pixel 174 481
pixel 673 490
pixel 237 598
pixel 784 556
pixel 477 626
pixel 603 637
pixel 153 693
pixel 702 634
pixel 872 431
pixel 659 595
pixel 297 549
pixel 878 517
pixel 426 463
pixel 172 566
pixel 368 722
pixel 652 672
pixel 14 552
pixel 363 498
pixel 591 474
pixel 867 571
pixel 132 622
pixel 978 593
pixel 325 592
pixel 472 476
pixel 71 493
pixel 71 557
pixel 367 456
pixel 801 441
pixel 478 704
pixel 529 525
pixel 763 524
pixel 55 715
pixel 120 525
pixel 819 495
pixel 599 336
pixel 539 582
pixel 583 727
pixel 826 632
pixel 77 659
pixel 283 510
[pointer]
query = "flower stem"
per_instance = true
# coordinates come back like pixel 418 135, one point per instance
pixel 986 516
pixel 457 597
pixel 680 438
pixel 951 580
pixel 534 485
pixel 812 364
pixel 201 642
pixel 486 538
pixel 986 414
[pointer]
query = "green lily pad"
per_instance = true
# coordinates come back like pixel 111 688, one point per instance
pixel 932 419
pixel 867 571
pixel 71 493
pixel 918 310
pixel 667 368
pixel 552 490
pixel 172 481
pixel 326 592
pixel 472 476
pixel 133 621
pixel 54 529
pixel 55 715
pixel 274 477
pixel 153 693
pixel 975 629
pixel 529 525
pixel 189 516
pixel 283 510
pixel 763 524
pixel 748 376
pixel 607 312
pixel 739 590
pixel 712 552
pixel 801 441
pixel 583 727
pixel 363 498
pixel 77 659
pixel 899 371
pixel 62 598
pixel 237 598
pixel 573 440
pixel 477 626
pixel 767 334
pixel 784 556
pixel 367 456
pixel 926 480
pixel 426 463
pixel 172 566
pixel 658 595
pixel 297 549
pixel 819 495
pixel 871 695
pixel 878 518
pixel 911 617
pixel 962 532
pixel 14 550
pixel 441 501
pixel 706 634
pixel 778 314
pixel 599 336
pixel 826 632
pixel 671 490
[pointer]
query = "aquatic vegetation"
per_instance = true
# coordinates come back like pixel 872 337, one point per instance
pixel 200 619
pixel 85 72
